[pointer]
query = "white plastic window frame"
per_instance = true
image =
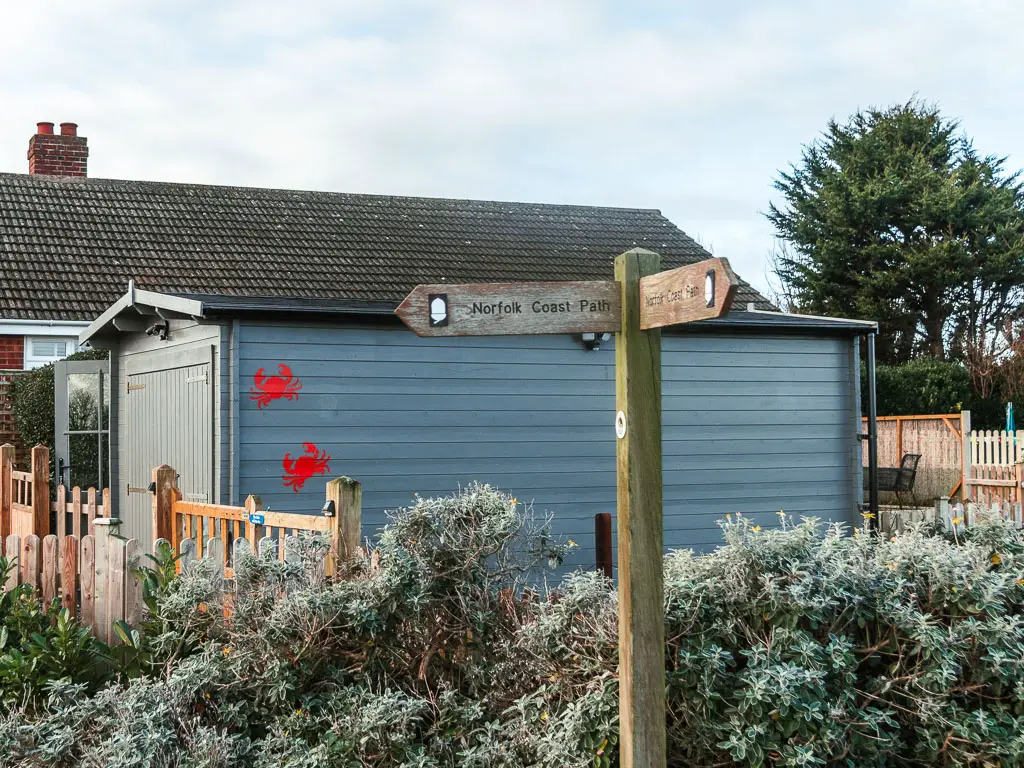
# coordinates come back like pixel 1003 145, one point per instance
pixel 37 361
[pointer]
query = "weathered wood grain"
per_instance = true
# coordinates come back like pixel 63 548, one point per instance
pixel 189 554
pixel 498 309
pixel 40 490
pixel 101 624
pixel 7 454
pixel 69 574
pixel 31 560
pixel 49 569
pixel 117 582
pixel 165 479
pixel 638 451
pixel 133 584
pixel 253 505
pixel 60 509
pixel 347 523
pixel 12 552
pixel 88 582
pixel 678 295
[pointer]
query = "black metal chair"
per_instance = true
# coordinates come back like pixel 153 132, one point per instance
pixel 898 480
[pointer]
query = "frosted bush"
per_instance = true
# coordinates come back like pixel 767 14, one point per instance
pixel 803 645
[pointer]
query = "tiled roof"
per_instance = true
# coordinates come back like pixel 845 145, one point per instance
pixel 69 247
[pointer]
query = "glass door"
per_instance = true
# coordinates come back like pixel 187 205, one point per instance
pixel 82 423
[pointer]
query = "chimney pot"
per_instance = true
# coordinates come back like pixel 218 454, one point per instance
pixel 64 155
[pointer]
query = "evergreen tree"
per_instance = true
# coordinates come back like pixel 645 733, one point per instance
pixel 895 217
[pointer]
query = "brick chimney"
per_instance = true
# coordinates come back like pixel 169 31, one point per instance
pixel 65 154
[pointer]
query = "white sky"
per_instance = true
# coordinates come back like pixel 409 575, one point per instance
pixel 683 106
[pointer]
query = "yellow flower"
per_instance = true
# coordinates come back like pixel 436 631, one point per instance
pixel 868 515
pixel 781 513
pixel 892 566
pixel 957 520
pixel 728 516
pixel 513 500
pixel 1020 582
pixel 226 650
pixel 299 713
pixel 572 544
pixel 996 559
pixel 953 589
pixel 756 528
pixel 544 716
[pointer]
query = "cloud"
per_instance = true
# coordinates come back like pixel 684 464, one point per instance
pixel 670 105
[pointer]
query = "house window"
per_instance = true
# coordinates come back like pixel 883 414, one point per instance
pixel 40 350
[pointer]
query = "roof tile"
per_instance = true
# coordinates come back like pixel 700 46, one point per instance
pixel 75 244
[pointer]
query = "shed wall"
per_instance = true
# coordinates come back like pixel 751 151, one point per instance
pixel 752 424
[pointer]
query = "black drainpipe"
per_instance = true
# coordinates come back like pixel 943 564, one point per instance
pixel 872 435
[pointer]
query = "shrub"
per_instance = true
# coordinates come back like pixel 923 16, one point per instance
pixel 40 644
pixel 929 385
pixel 797 646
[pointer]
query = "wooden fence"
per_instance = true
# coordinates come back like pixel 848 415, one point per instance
pixel 93 576
pixel 938 438
pixel 176 521
pixel 26 508
pixel 992 466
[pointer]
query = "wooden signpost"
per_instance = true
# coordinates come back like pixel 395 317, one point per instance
pixel 511 309
pixel 639 302
pixel 694 292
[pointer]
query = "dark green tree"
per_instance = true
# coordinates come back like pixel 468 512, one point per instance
pixel 893 216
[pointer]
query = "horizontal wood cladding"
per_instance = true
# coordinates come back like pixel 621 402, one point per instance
pixel 751 424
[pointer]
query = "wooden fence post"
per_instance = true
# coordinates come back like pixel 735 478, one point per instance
pixel 41 491
pixel 105 528
pixel 642 742
pixel 7 454
pixel 603 542
pixel 347 524
pixel 965 455
pixel 253 506
pixel 164 478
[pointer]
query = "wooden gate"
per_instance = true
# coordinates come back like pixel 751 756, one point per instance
pixel 176 520
pixel 993 468
pixel 25 496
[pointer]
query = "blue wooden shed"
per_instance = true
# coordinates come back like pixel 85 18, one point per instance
pixel 255 350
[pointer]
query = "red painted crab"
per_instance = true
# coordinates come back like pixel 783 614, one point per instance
pixel 270 388
pixel 298 471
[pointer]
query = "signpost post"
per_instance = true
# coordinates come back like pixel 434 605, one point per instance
pixel 635 306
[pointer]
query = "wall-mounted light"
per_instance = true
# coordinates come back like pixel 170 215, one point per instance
pixel 159 328
pixel 592 341
pixel 328 508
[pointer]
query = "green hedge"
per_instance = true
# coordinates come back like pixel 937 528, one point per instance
pixel 800 646
pixel 929 385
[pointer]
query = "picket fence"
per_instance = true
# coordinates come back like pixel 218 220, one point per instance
pixel 93 577
pixel 992 466
pixel 26 508
pixel 956 516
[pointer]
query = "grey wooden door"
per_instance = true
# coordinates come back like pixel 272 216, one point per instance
pixel 169 415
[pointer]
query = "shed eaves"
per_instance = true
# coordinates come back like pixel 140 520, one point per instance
pixel 69 247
